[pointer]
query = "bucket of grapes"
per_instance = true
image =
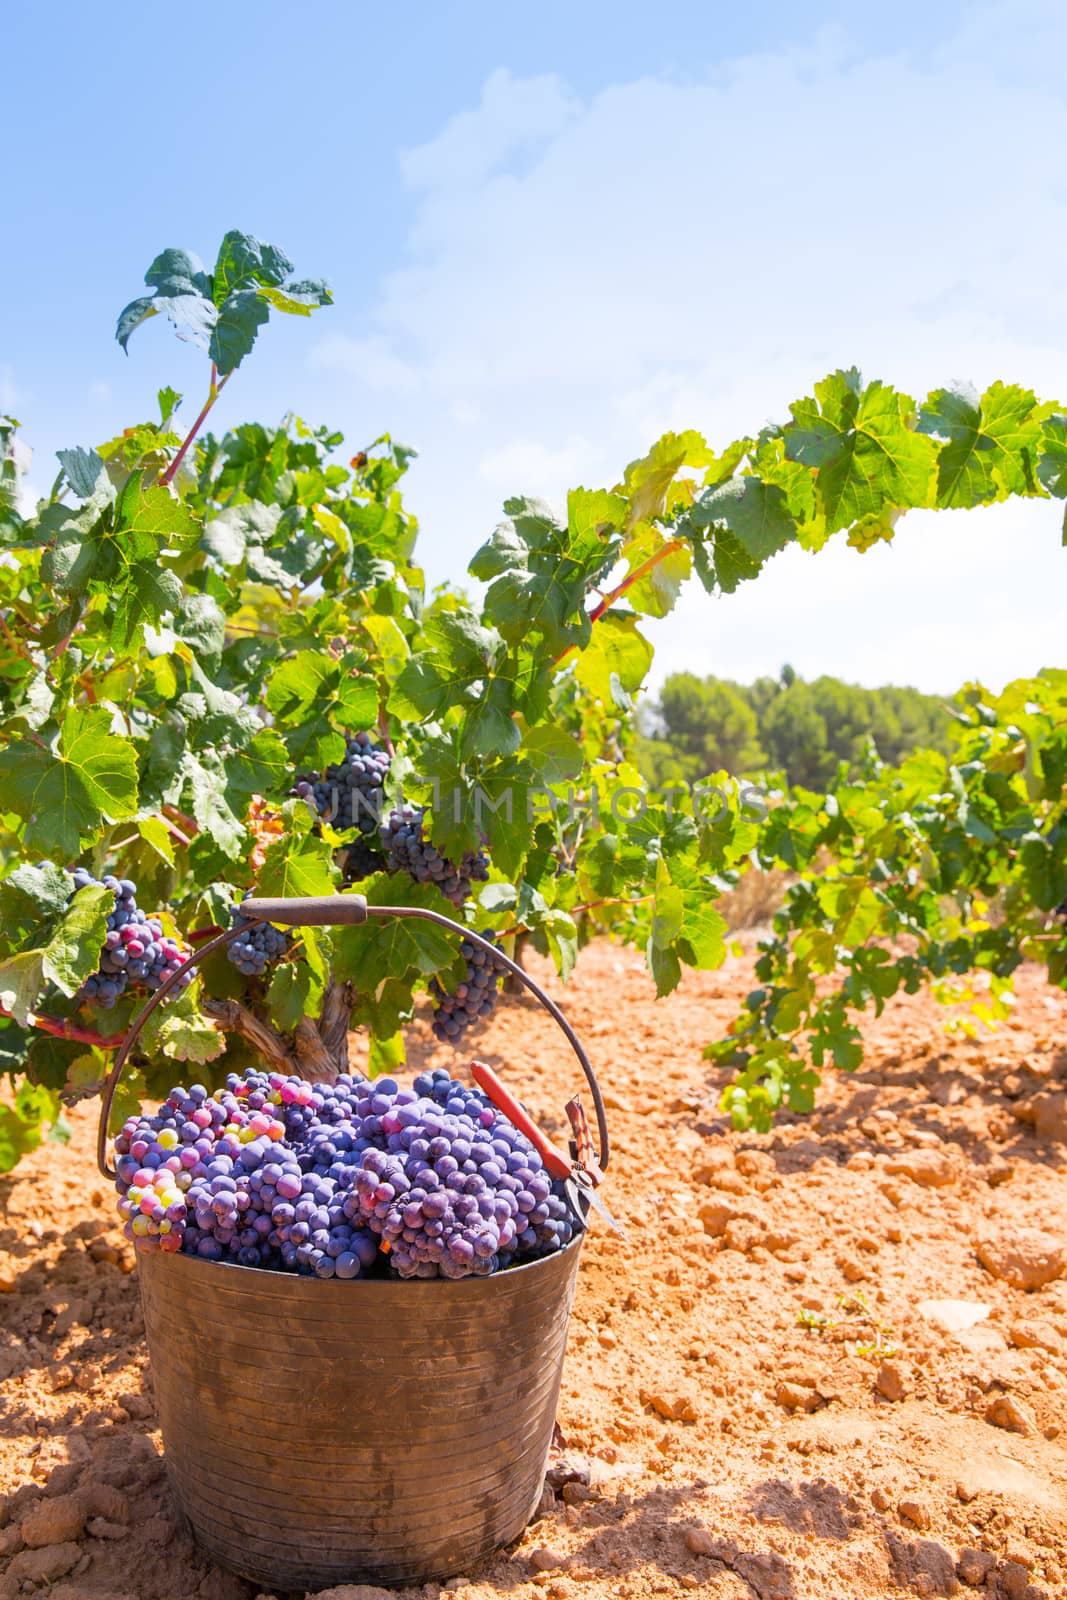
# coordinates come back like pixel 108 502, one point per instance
pixel 356 1299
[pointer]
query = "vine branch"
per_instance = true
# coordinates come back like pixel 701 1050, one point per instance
pixel 62 1028
pixel 607 600
pixel 334 1022
pixel 217 386
pixel 232 1017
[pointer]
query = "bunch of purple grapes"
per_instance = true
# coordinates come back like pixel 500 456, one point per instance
pixel 216 1176
pixel 549 1232
pixel 472 999
pixel 457 1189
pixel 259 944
pixel 408 851
pixel 333 1179
pixel 136 950
pixel 349 794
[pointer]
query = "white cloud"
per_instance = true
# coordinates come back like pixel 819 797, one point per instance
pixel 585 274
pixel 531 461
pixel 371 362
pixel 514 117
pixel 99 393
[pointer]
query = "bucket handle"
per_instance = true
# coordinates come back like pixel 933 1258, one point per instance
pixel 344 910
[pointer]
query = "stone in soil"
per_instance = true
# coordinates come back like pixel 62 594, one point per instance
pixel 54 1522
pixel 545 1560
pixel 954 1316
pixel 1025 1258
pixel 1013 1415
pixel 891 1381
pixel 974 1566
pixel 928 1168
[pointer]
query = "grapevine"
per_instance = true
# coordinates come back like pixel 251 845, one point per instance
pixel 941 868
pixel 194 626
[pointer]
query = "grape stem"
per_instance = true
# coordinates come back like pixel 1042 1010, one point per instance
pixel 16 644
pixel 666 549
pixel 217 386
pixel 64 1029
pixel 186 832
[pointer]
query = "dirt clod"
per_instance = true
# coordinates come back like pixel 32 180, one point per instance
pixel 53 1522
pixel 101 1528
pixel 101 1500
pixel 672 1407
pixel 1013 1580
pixel 1012 1414
pixel 974 1566
pixel 891 1381
pixel 1027 1258
pixel 46 1564
pixel 1035 1333
pixel 917 1512
pixel 928 1168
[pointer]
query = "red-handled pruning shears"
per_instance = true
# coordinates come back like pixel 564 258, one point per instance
pixel 580 1173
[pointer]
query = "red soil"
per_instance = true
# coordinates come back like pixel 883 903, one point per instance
pixel 758 1401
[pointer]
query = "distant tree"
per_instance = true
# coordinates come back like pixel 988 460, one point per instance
pixel 784 724
pixel 710 725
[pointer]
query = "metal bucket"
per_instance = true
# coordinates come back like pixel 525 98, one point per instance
pixel 319 1432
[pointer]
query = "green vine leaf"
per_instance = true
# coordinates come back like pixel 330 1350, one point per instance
pixel 73 952
pixel 222 312
pixel 862 449
pixel 990 446
pixel 65 792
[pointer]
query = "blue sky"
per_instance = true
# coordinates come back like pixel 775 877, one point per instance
pixel 553 233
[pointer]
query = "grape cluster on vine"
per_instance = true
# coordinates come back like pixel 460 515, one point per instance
pixel 136 950
pixel 473 998
pixel 258 946
pixel 409 851
pixel 349 793
pixel 338 1179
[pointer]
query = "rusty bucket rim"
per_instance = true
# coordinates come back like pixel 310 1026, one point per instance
pixel 282 1275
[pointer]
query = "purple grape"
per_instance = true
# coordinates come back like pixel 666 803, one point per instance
pixel 134 950
pixel 408 851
